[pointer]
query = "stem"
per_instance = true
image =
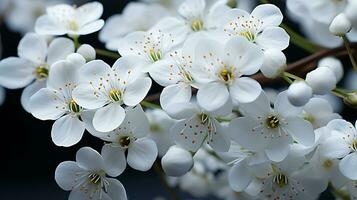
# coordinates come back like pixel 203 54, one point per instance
pixel 106 53
pixel 163 181
pixel 287 79
pixel 292 76
pixel 150 105
pixel 339 193
pixel 75 41
pixel 349 51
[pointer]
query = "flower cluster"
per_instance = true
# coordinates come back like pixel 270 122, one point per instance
pixel 216 130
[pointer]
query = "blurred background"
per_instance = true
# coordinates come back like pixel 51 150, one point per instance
pixel 29 158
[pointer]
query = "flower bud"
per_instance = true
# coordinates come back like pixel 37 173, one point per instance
pixel 340 25
pixel 177 162
pixel 351 99
pixel 274 63
pixel 87 51
pixel 334 64
pixel 76 58
pixel 322 80
pixel 299 93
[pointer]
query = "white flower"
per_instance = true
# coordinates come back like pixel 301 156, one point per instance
pixel 86 178
pixel 136 16
pixel 299 93
pixel 334 64
pixel 271 129
pixel 177 161
pixel 65 19
pixel 322 80
pixel 160 124
pixel 342 144
pixel 274 63
pixel 55 102
pixel 130 136
pixel 87 51
pixel 31 68
pixel 109 89
pixel 319 112
pixel 197 126
pixel 219 68
pixel 340 25
pixel 261 27
pixel 2 95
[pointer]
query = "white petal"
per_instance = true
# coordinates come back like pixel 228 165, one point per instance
pixel 192 8
pixel 46 105
pixel 177 93
pixel 33 47
pixel 343 127
pixel 182 110
pixel 16 72
pixel 213 96
pixel 91 27
pixel 269 14
pixel 59 49
pixel 108 118
pixel 283 106
pixel 66 175
pixel 244 55
pixel 129 68
pixel 239 176
pixel 85 96
pixel 116 190
pixel 136 121
pixel 89 159
pixel 334 147
pixel 301 130
pixel 142 154
pixel 114 160
pixel 245 90
pixel 67 131
pixel 61 74
pixel 94 70
pixel 273 38
pixel 219 141
pixel 89 12
pixel 44 25
pixel 348 166
pixel 258 108
pixel 131 44
pixel 29 91
pixel 278 150
pixel 165 72
pixel 136 91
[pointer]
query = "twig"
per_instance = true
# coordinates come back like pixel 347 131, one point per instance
pixel 163 181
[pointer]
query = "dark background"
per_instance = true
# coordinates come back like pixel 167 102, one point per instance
pixel 28 156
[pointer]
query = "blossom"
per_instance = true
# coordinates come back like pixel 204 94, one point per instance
pixel 136 16
pixel 108 89
pixel 86 178
pixel 31 68
pixel 65 19
pixel 342 145
pixel 261 27
pixel 130 136
pixel 197 126
pixel 271 129
pixel 219 68
pixel 55 102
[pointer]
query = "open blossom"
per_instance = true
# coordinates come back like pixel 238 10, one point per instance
pixel 55 102
pixel 130 136
pixel 136 16
pixel 219 69
pixel 108 89
pixel 86 178
pixel 196 126
pixel 342 144
pixel 261 27
pixel 271 129
pixel 31 68
pixel 65 19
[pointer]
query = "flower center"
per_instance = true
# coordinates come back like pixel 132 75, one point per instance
pixel 281 180
pixel 115 95
pixel 74 107
pixel 249 35
pixel 354 145
pixel 73 25
pixel 155 127
pixel 309 118
pixel 226 75
pixel 327 164
pixel 155 55
pixel 272 121
pixel 204 118
pixel 124 141
pixel 197 25
pixel 41 72
pixel 94 178
pixel 232 3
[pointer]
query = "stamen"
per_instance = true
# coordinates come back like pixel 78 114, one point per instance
pixel 124 141
pixel 272 121
pixel 354 145
pixel 327 164
pixel 74 107
pixel 249 35
pixel 281 180
pixel 197 25
pixel 155 55
pixel 73 25
pixel 226 75
pixel 115 95
pixel 41 72
pixel 94 178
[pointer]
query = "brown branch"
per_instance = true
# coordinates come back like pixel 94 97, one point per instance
pixel 300 67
